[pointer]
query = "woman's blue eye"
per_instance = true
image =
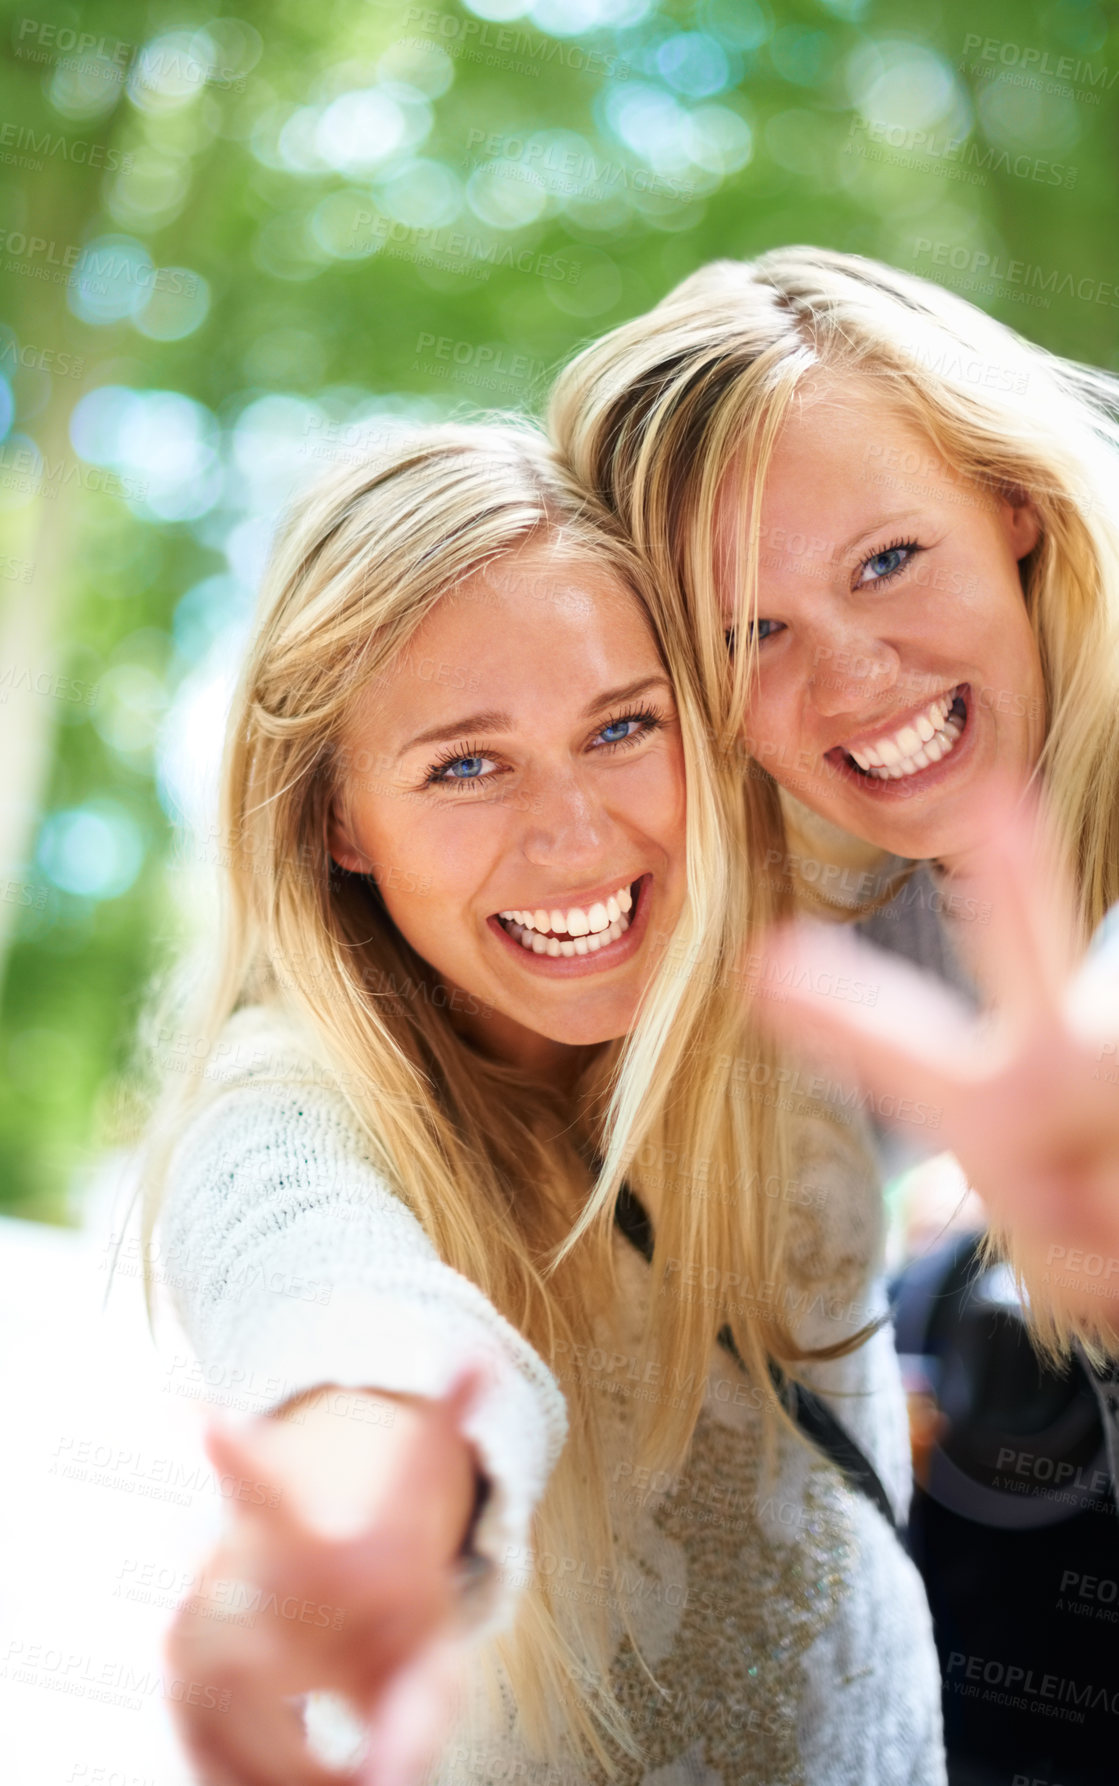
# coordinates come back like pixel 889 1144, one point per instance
pixel 464 768
pixel 616 730
pixel 886 564
pixel 761 628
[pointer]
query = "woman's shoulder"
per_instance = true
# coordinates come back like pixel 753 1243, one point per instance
pixel 267 1091
pixel 259 1040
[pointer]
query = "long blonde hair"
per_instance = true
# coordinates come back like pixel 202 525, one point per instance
pixel 498 1170
pixel 651 416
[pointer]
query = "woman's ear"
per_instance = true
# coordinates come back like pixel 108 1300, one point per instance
pixel 1023 525
pixel 341 845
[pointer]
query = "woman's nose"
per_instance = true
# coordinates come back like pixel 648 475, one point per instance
pixel 849 676
pixel 564 824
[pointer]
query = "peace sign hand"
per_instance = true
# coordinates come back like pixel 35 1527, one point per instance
pixel 1025 1093
pixel 342 1551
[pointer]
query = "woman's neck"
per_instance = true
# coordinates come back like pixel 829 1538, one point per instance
pixel 502 1039
pixel 834 874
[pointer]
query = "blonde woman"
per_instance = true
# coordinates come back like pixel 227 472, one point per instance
pixel 902 517
pixel 477 968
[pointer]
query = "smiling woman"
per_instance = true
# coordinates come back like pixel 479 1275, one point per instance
pixel 891 527
pixel 903 516
pixel 471 1059
pixel 896 667
pixel 543 839
pixel 902 519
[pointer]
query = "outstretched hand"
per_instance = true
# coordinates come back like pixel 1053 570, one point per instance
pixel 335 1573
pixel 1028 1093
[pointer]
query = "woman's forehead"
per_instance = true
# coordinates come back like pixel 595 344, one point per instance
pixel 522 617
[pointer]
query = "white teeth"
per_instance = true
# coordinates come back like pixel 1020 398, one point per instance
pixel 573 924
pixel 922 741
pixel 554 946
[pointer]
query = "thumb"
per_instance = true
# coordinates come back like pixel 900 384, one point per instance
pixel 247 1479
pixel 465 1392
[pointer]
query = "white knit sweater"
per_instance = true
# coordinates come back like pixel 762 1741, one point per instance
pixel 783 1619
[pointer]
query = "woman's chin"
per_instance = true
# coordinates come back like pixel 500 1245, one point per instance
pixel 587 1029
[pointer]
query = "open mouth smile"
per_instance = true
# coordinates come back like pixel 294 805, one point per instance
pixel 923 741
pixel 602 933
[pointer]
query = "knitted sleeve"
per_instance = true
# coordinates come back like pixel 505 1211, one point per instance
pixel 295 1265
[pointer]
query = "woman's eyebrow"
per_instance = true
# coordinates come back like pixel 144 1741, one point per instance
pixel 890 520
pixel 492 721
pixel 489 721
pixel 629 692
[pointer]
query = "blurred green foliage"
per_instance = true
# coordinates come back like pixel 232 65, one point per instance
pixel 233 246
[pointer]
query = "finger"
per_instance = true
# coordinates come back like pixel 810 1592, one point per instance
pixel 464 1394
pixel 250 1736
pixel 230 1702
pixel 412 1717
pixel 255 1487
pixel 1022 942
pixel 878 1018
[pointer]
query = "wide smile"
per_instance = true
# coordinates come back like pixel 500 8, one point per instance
pixel 574 940
pixel 926 746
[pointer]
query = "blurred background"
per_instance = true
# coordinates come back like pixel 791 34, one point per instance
pixel 234 247
pixel 234 250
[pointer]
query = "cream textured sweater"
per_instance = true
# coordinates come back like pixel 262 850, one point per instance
pixel 787 1628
